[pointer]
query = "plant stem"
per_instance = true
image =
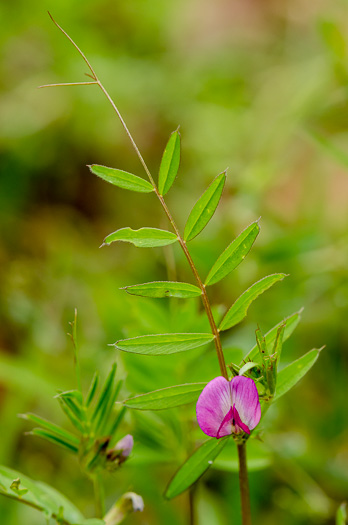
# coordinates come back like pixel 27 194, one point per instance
pixel 244 484
pixel 182 242
pixel 98 496
pixel 205 299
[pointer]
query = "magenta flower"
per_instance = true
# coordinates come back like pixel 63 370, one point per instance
pixel 228 407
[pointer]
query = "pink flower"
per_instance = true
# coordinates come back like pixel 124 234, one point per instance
pixel 228 407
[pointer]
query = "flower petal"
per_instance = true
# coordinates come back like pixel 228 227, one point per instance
pixel 213 405
pixel 238 423
pixel 246 399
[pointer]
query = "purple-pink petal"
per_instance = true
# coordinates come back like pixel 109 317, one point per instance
pixel 213 405
pixel 228 407
pixel 245 397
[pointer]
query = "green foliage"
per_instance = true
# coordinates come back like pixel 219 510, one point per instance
pixel 204 208
pixel 40 496
pixel 239 309
pixel 164 289
pixel 122 179
pixel 233 255
pixel 291 374
pixel 163 344
pixel 169 164
pixel 142 238
pixel 341 515
pixel 170 397
pixel 195 466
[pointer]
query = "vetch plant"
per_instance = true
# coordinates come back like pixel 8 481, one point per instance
pixel 96 421
pixel 231 405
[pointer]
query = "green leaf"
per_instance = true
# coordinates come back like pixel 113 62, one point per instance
pixel 92 389
pixel 38 495
pixel 234 254
pixel 341 515
pixel 170 397
pixel 163 344
pixel 105 394
pixel 238 310
pixel 57 440
pixel 142 238
pixel 122 179
pixel 169 164
pixel 195 466
pixel 60 432
pixel 204 208
pixel 64 404
pixel 291 323
pixel 105 414
pixel 164 289
pixel 291 374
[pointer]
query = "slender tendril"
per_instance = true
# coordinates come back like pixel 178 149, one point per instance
pixel 205 299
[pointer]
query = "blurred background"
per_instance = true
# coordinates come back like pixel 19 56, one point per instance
pixel 258 86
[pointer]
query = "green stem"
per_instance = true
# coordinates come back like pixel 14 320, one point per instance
pixel 205 299
pixel 98 496
pixel 244 484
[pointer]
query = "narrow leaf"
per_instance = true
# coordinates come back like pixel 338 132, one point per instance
pixel 195 466
pixel 170 397
pixel 122 179
pixel 117 421
pixel 142 238
pixel 105 393
pixel 39 496
pixel 60 432
pixel 239 309
pixel 163 344
pixel 291 323
pixel 291 374
pixel 169 164
pixel 234 254
pixel 341 514
pixel 53 438
pixel 92 389
pixel 70 414
pixel 204 208
pixel 105 413
pixel 164 289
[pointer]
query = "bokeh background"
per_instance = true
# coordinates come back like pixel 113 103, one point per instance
pixel 258 86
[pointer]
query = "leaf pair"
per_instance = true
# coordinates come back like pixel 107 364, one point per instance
pixel 167 173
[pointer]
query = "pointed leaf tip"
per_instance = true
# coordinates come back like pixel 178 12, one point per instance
pixel 239 309
pixel 233 254
pixel 170 163
pixel 195 466
pixel 122 179
pixel 161 289
pixel 204 208
pixel 142 238
pixel 163 344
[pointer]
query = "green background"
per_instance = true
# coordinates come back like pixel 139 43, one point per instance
pixel 259 87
